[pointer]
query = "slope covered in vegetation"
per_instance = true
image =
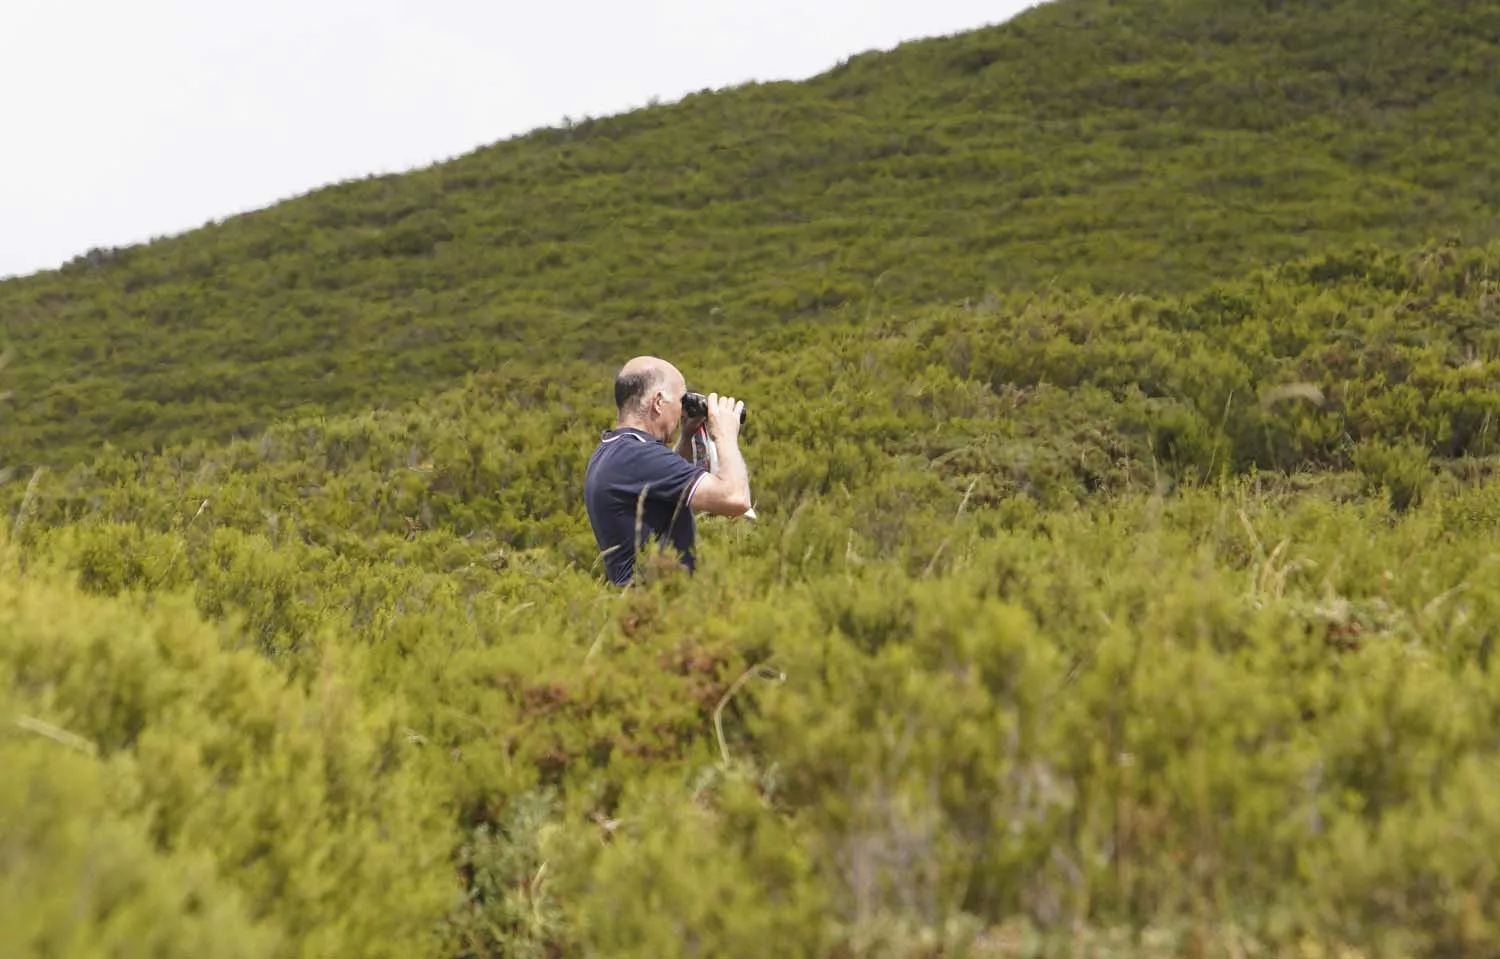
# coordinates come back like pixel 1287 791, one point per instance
pixel 1149 626
pixel 1123 423
pixel 1149 145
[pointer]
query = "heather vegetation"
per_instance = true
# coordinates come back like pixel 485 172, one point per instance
pixel 1148 612
pixel 1063 616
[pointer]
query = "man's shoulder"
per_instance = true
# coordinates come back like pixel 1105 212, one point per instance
pixel 633 446
pixel 633 456
pixel 618 446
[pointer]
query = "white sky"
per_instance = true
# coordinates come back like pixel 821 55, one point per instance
pixel 121 120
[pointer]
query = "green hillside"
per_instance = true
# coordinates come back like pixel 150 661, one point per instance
pixel 1137 627
pixel 1121 146
pixel 1123 386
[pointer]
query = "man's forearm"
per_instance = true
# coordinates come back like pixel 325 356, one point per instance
pixel 732 469
pixel 685 446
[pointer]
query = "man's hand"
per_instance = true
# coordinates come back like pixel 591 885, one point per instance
pixel 724 418
pixel 727 492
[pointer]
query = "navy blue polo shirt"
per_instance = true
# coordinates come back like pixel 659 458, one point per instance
pixel 633 475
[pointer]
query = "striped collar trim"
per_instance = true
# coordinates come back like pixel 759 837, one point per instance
pixel 611 435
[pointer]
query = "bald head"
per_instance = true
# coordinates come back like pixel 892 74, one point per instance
pixel 639 380
pixel 648 395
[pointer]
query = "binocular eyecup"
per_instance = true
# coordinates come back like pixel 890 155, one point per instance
pixel 695 406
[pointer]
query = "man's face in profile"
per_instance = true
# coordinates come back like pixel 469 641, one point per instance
pixel 671 404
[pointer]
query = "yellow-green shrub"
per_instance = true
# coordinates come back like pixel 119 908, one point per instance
pixel 299 811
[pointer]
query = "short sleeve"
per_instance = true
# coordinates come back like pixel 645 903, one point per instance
pixel 666 475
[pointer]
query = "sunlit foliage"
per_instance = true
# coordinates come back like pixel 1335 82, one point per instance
pixel 1124 588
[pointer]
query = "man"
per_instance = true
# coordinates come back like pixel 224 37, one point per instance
pixel 638 489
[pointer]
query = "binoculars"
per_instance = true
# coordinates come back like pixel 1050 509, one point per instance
pixel 695 406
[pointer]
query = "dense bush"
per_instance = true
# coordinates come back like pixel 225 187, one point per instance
pixel 1064 617
pixel 1122 585
pixel 1213 714
pixel 190 802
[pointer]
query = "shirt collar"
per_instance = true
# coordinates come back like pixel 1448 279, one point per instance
pixel 631 431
